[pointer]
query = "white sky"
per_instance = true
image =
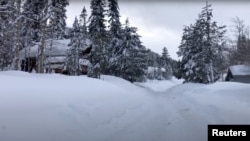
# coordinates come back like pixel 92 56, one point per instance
pixel 160 23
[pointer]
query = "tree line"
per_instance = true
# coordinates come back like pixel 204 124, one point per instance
pixel 116 48
pixel 27 22
pixel 206 52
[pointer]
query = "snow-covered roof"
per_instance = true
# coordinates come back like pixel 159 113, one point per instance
pixel 59 48
pixel 153 69
pixel 84 62
pixel 240 70
pixel 56 59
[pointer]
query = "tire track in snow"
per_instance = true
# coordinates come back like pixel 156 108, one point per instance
pixel 183 115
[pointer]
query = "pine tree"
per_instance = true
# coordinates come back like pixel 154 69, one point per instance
pixel 98 35
pixel 75 45
pixel 27 34
pixel 36 13
pixel 83 21
pixel 186 51
pixel 153 59
pixel 6 34
pixel 243 49
pixel 10 12
pixel 166 64
pixel 153 63
pixel 178 72
pixel 165 54
pixel 131 55
pixel 114 17
pixel 199 49
pixel 212 43
pixel 27 30
pixel 57 20
pixel 83 27
pixel 33 10
pixel 115 35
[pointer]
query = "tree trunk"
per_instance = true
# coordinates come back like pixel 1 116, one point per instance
pixel 40 58
pixel 17 38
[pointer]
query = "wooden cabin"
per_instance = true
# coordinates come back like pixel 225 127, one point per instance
pixel 54 57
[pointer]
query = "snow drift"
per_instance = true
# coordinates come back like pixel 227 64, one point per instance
pixel 50 107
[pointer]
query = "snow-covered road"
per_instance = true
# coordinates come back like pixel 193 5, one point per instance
pixel 189 108
pixel 61 108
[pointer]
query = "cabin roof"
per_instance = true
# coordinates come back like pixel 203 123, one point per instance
pixel 59 48
pixel 240 70
pixel 55 59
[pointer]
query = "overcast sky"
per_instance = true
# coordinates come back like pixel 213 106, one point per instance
pixel 160 23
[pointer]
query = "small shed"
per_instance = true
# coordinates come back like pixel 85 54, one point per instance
pixel 238 73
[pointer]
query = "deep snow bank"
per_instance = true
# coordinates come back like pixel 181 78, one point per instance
pixel 43 107
pixel 49 107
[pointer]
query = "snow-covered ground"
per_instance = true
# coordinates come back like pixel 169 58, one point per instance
pixel 160 85
pixel 43 107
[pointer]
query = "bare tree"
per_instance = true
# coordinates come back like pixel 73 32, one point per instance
pixel 241 33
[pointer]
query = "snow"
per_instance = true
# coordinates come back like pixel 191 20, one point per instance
pixel 51 107
pixel 56 59
pixel 59 48
pixel 84 62
pixel 240 70
pixel 154 69
pixel 160 85
pixel 55 62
